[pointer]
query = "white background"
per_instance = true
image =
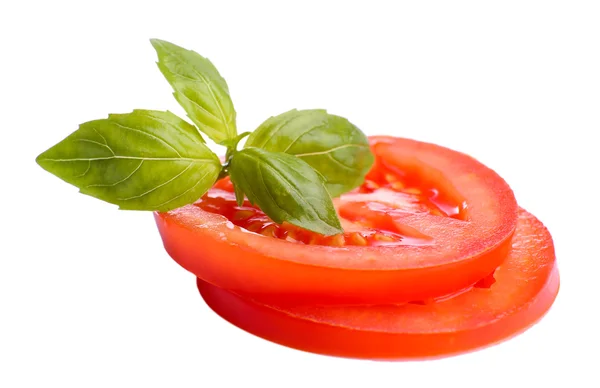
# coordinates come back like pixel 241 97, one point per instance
pixel 89 298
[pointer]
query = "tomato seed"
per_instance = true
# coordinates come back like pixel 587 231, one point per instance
pixel 383 238
pixel 338 241
pixel 391 178
pixel 357 239
pixel 269 231
pixel 412 190
pixel 398 186
pixel 254 226
pixel 242 215
pixel 371 185
pixel 313 240
pixel 292 236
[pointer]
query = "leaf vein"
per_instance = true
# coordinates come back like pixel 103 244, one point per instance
pixel 332 150
pixel 259 171
pixel 210 89
pixel 193 160
pixel 185 192
pixel 99 134
pixel 276 129
pixel 96 142
pixel 149 135
pixel 201 108
pixel 86 170
pixel 141 113
pixel 158 186
pixel 121 181
pixel 302 134
pixel 340 163
pixel 301 200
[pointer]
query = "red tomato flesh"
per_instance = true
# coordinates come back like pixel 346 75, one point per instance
pixel 428 221
pixel 525 286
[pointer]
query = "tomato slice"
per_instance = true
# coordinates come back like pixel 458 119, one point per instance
pixel 427 222
pixel 525 286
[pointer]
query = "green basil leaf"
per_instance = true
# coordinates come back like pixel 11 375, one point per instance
pixel 145 160
pixel 285 188
pixel 332 145
pixel 199 89
pixel 239 194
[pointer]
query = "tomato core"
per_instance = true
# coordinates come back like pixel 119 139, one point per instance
pixel 386 191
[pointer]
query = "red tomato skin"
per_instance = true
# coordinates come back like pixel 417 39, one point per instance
pixel 527 285
pixel 222 254
pixel 269 278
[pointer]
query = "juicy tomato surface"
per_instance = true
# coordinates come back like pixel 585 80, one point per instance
pixel 428 221
pixel 521 291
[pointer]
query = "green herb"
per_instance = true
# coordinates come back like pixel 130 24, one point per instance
pixel 284 187
pixel 145 160
pixel 199 89
pixel 330 144
pixel 150 160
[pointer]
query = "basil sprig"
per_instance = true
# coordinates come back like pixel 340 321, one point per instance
pixel 155 161
pixel 330 144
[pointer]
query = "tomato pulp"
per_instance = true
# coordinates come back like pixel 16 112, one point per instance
pixel 427 222
pixel 525 286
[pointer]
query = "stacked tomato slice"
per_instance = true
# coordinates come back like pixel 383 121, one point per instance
pixel 436 259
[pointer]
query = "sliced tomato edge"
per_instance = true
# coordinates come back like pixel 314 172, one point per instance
pixel 323 250
pixel 272 285
pixel 511 324
pixel 552 283
pixel 541 304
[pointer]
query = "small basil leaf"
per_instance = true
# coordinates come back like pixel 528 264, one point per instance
pixel 199 89
pixel 330 144
pixel 145 160
pixel 285 188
